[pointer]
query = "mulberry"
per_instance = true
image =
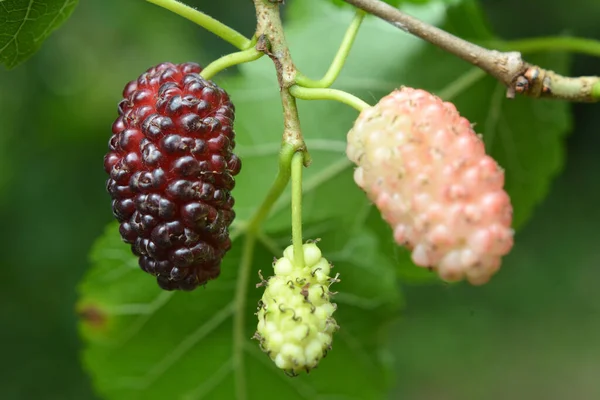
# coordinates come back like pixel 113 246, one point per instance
pixel 295 322
pixel 171 170
pixel 426 170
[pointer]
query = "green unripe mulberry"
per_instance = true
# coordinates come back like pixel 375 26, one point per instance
pixel 295 322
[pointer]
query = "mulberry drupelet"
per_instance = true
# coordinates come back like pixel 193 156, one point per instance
pixel 172 170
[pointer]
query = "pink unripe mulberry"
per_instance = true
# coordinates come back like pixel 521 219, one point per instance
pixel 426 170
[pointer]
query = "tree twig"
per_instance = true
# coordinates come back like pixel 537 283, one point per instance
pixel 508 67
pixel 271 41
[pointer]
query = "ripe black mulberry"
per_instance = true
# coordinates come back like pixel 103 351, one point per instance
pixel 172 168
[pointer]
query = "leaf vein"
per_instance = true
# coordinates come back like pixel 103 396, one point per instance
pixel 185 346
pixel 66 3
pixel 29 6
pixel 305 391
pixel 211 383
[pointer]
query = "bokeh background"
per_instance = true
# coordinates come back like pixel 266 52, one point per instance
pixel 532 333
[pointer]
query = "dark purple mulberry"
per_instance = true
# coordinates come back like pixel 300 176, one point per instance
pixel 171 170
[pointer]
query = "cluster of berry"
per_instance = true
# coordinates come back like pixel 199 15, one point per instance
pixel 172 168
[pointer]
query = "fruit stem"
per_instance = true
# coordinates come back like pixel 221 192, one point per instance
pixel 230 60
pixel 207 22
pixel 252 233
pixel 328 94
pixel 283 176
pixel 297 165
pixel 340 58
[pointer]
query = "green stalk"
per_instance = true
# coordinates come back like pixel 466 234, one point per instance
pixel 281 180
pixel 297 165
pixel 230 60
pixel 328 94
pixel 340 58
pixel 207 22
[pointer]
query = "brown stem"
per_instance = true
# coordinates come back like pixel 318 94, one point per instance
pixel 508 67
pixel 272 42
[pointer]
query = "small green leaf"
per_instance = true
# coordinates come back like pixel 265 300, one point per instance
pixel 144 343
pixel 25 24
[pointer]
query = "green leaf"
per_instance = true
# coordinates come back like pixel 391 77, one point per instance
pixel 144 343
pixel 25 24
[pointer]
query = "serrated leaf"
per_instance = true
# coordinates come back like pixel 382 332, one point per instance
pixel 144 343
pixel 25 24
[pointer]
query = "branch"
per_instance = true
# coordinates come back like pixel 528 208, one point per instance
pixel 271 41
pixel 508 67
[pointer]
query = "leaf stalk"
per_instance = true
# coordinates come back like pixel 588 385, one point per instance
pixel 212 25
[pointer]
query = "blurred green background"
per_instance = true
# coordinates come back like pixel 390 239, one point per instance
pixel 532 333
